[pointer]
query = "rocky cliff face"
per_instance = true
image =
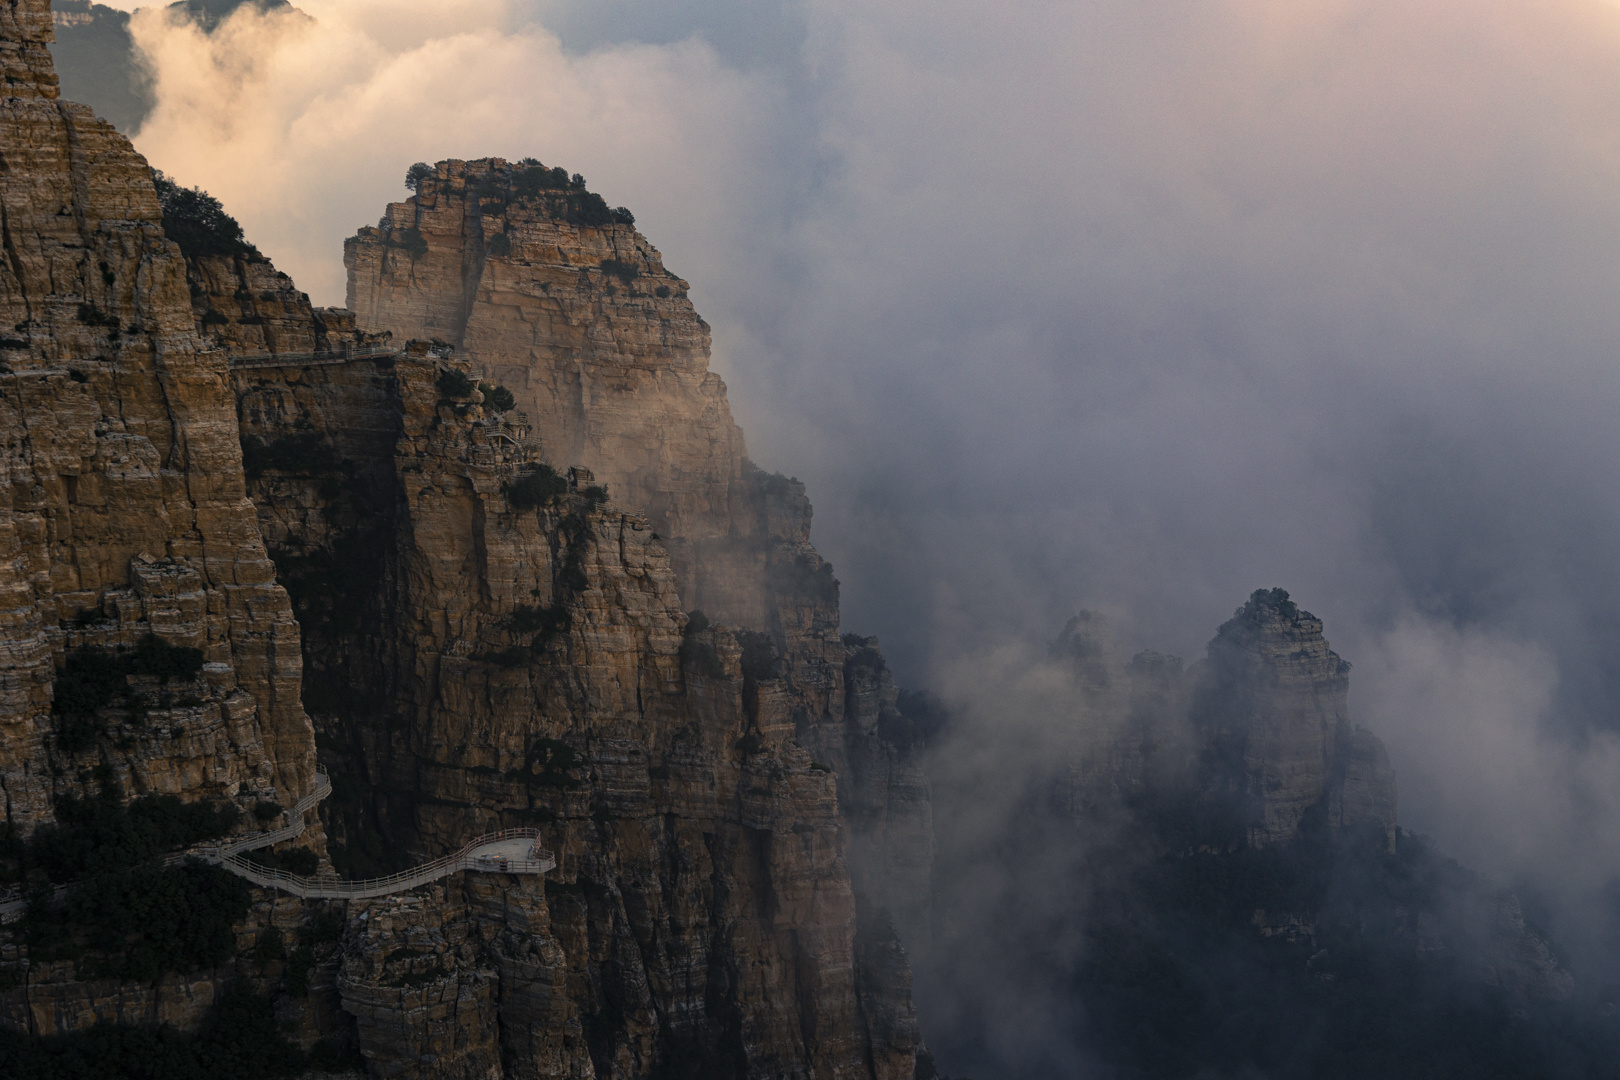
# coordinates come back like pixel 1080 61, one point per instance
pixel 566 304
pixel 477 663
pixel 1272 718
pixel 563 302
pixel 1260 729
pixel 124 513
pixel 482 645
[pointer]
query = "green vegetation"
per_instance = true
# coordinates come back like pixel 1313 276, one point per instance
pixel 497 397
pixel 141 923
pixel 545 623
pixel 455 384
pixel 238 1039
pixel 500 244
pixel 551 760
pixel 510 657
pixel 93 678
pixel 197 222
pixel 416 174
pixel 772 484
pixel 535 488
pixel 91 315
pixel 296 452
pixel 806 577
pixel 96 834
pixel 759 659
pixel 698 656
pixel 662 292
pixel 410 240
pixel 626 272
pixel 594 495
pixel 564 197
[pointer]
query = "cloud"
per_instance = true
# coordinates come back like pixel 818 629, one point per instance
pixel 1100 304
pixel 304 127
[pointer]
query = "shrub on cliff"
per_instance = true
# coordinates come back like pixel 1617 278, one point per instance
pixel 141 923
pixel 198 222
pixel 455 384
pixel 806 578
pixel 499 244
pixel 624 271
pixel 239 1038
pixel 533 179
pixel 698 656
pixel 101 833
pixel 497 397
pixel 539 486
pixel 416 174
pixel 300 452
pixel 543 622
pixel 759 659
pixel 93 678
pixel 410 240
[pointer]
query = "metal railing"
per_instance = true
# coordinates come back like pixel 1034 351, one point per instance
pixel 323 788
pixel 539 861
pixel 228 856
pixel 310 359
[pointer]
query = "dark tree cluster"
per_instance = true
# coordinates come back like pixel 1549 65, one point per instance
pixel 100 833
pixel 562 196
pixel 93 678
pixel 239 1039
pixel 198 222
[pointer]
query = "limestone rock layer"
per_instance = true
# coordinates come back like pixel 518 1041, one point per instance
pixel 578 316
pixel 123 512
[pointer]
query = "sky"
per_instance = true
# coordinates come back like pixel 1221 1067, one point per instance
pixel 1092 304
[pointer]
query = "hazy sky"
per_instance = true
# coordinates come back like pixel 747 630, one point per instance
pixel 1111 304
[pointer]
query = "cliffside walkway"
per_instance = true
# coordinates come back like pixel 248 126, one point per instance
pixel 278 360
pixel 510 851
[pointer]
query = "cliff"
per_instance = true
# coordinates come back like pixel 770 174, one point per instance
pixel 197 456
pixel 478 661
pixel 553 296
pixel 1272 717
pixel 124 514
pixel 546 291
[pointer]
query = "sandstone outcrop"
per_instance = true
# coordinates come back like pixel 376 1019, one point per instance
pixel 123 514
pixel 1272 718
pixel 1260 728
pixel 490 665
pixel 576 313
pixel 481 645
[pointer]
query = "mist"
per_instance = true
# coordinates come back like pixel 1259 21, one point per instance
pixel 1108 305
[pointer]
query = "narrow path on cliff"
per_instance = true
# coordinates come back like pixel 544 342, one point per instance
pixel 510 851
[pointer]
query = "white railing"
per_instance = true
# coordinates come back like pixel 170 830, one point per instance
pixel 310 359
pixel 13 904
pixel 322 788
pixel 538 861
pixel 472 856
